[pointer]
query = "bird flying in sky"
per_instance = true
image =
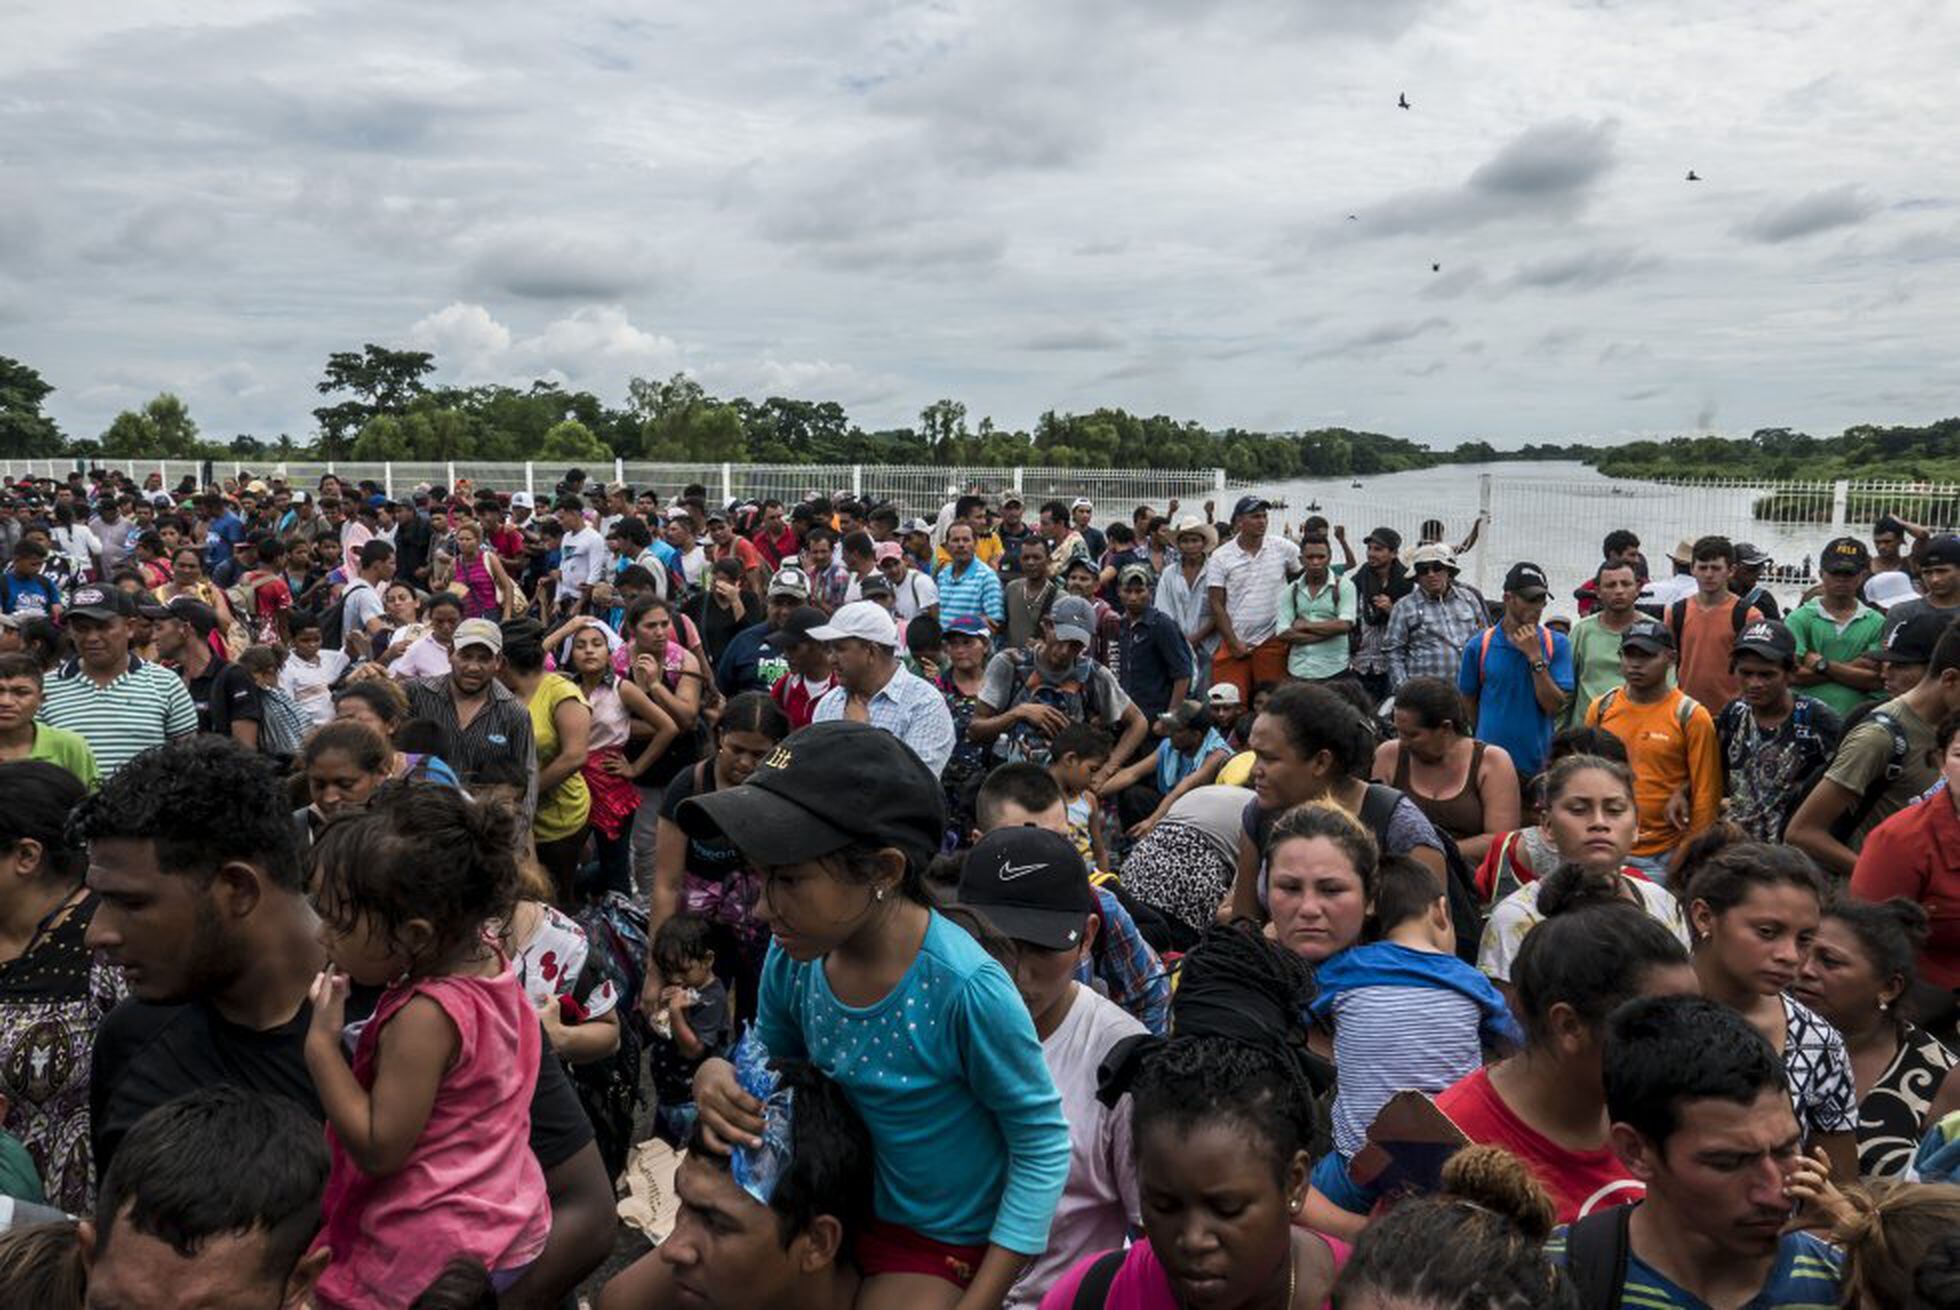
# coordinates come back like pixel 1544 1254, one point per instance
pixel 1693 176
pixel 1402 101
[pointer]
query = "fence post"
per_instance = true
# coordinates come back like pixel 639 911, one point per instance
pixel 727 482
pixel 530 479
pixel 1018 470
pixel 388 478
pixel 1218 482
pixel 330 468
pixel 1484 538
pixel 857 482
pixel 1840 506
pixel 619 469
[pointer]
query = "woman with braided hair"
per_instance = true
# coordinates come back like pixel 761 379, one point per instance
pixel 1479 1244
pixel 1224 1120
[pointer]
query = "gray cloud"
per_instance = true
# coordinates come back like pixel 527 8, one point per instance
pixel 1820 211
pixel 1380 337
pixel 1083 337
pixel 1585 270
pixel 1546 171
pixel 564 265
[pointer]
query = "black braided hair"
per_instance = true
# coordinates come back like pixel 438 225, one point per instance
pixel 1237 1050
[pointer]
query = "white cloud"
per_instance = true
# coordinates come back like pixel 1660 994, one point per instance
pixel 1016 203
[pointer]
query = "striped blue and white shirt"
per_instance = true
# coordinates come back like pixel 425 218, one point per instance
pixel 977 591
pixel 144 706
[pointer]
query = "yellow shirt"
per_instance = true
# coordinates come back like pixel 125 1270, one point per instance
pixel 986 550
pixel 564 809
pixel 1238 770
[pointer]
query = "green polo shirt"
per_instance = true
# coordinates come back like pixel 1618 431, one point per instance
pixel 1818 632
pixel 67 749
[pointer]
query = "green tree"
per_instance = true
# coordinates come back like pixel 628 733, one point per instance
pixel 382 381
pixel 382 438
pixel 942 425
pixel 24 430
pixel 574 443
pixel 162 429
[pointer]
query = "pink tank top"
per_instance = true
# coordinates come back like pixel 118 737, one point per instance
pixel 471 1186
pixel 482 601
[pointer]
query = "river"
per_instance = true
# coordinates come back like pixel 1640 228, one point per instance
pixel 1552 513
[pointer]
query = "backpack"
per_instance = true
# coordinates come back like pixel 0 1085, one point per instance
pixel 333 620
pixel 1684 709
pixel 1597 1249
pixel 1460 883
pixel 609 1089
pixel 1677 618
pixel 1895 767
pixel 1070 696
pixel 1483 647
pixel 1092 1293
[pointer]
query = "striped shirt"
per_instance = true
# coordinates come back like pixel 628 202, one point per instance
pixel 500 730
pixel 144 706
pixel 909 708
pixel 977 591
pixel 1808 1275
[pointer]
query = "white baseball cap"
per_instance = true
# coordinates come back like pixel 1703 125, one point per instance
pixel 522 500
pixel 866 620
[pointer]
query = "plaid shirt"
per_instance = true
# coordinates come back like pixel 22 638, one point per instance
pixel 909 708
pixel 1128 969
pixel 1426 637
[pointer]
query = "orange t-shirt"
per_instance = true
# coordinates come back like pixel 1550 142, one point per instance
pixel 1706 637
pixel 1665 753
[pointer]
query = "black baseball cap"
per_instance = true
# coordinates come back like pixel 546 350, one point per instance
pixel 1250 505
pixel 821 789
pixel 1031 884
pixel 1769 639
pixel 796 627
pixel 1912 642
pixel 1528 581
pixel 1648 635
pixel 1386 538
pixel 1750 555
pixel 101 603
pixel 1943 549
pixel 1845 555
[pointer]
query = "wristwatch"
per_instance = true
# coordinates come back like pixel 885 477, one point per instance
pixel 1823 666
pixel 1538 666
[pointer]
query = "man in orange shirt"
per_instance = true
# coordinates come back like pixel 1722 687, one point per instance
pixel 1705 625
pixel 1671 747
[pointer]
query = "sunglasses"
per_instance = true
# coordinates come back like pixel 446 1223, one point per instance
pixel 1431 568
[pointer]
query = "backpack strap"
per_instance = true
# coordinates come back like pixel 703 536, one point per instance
pixel 1597 1249
pixel 1684 709
pixel 1092 1293
pixel 1483 650
pixel 1677 619
pixel 1895 764
pixel 1739 612
pixel 1605 704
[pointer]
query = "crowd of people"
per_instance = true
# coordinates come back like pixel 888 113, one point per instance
pixel 990 909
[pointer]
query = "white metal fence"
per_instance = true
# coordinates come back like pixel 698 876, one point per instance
pixel 916 489
pixel 1557 517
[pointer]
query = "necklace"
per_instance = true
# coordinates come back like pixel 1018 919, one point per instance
pixel 1292 1272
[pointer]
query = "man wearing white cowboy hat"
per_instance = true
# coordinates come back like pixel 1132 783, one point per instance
pixel 1429 627
pixel 1181 594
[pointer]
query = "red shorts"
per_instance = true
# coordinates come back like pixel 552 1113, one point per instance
pixel 889 1249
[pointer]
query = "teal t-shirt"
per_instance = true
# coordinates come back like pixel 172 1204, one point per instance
pixel 1819 632
pixel 970 1142
pixel 1807 1276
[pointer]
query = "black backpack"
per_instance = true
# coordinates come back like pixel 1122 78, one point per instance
pixel 333 620
pixel 1895 767
pixel 1460 886
pixel 1597 1249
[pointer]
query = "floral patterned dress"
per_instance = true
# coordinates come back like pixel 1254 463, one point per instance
pixel 52 998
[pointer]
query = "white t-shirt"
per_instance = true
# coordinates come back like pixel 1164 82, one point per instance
pixel 1517 914
pixel 917 594
pixel 311 684
pixel 1665 591
pixel 1099 1202
pixel 581 562
pixel 1252 584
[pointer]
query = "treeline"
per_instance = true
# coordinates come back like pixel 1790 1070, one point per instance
pixel 1868 451
pixel 379 405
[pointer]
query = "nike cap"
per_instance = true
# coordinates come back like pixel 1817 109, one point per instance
pixel 1031 884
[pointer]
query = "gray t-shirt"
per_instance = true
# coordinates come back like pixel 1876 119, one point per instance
pixel 1907 610
pixel 1102 695
pixel 361 602
pixel 1213 813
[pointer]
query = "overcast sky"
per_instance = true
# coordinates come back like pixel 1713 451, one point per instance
pixel 1020 204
